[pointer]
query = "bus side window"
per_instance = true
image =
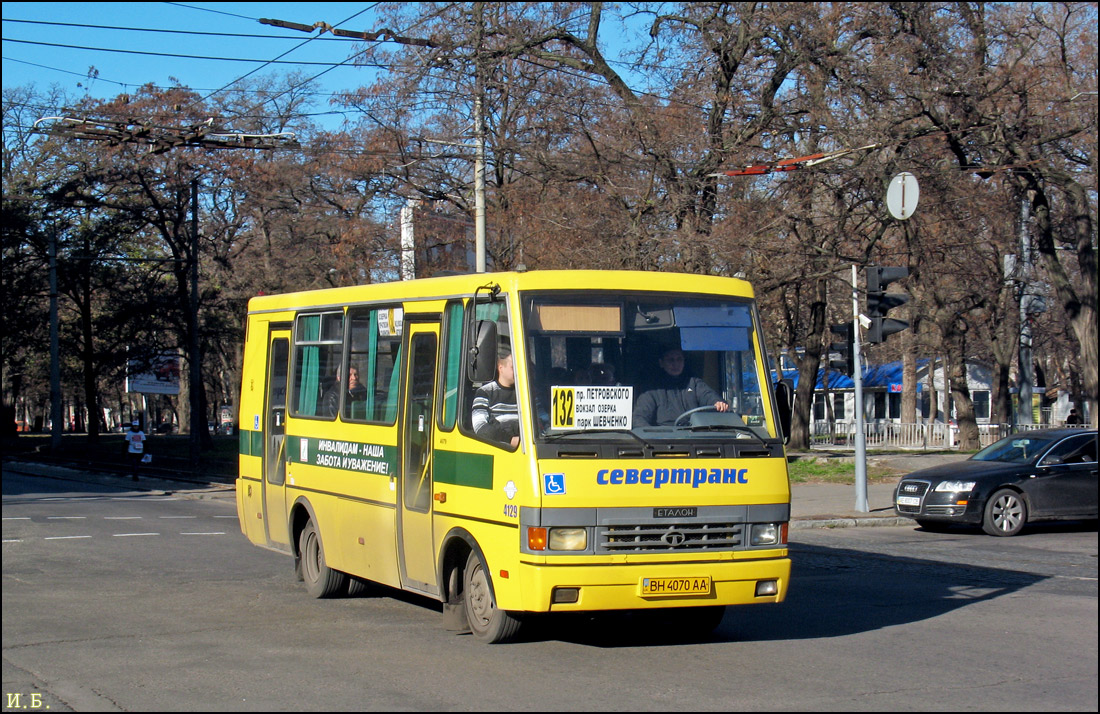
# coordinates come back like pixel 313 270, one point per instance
pixel 318 344
pixel 452 364
pixel 375 352
pixel 387 381
pixel 497 312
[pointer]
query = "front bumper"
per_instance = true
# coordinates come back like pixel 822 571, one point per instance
pixel 617 586
pixel 918 500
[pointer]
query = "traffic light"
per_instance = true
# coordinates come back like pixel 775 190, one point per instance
pixel 846 349
pixel 879 302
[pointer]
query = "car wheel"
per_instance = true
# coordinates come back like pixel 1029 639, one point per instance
pixel 1005 513
pixel 321 581
pixel 487 622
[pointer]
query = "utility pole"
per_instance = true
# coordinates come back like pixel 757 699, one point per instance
pixel 198 418
pixel 479 184
pixel 479 138
pixel 55 351
pixel 857 377
pixel 408 240
pixel 1026 379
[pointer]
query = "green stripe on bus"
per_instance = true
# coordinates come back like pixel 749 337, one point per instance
pixel 475 470
pixel 250 443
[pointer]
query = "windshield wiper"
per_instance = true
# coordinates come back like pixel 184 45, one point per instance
pixel 558 435
pixel 725 427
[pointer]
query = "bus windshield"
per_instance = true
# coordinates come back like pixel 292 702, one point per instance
pixel 646 367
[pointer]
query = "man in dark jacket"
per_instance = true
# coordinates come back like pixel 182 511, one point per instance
pixel 495 413
pixel 330 400
pixel 675 393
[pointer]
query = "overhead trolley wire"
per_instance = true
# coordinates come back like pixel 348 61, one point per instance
pixel 185 56
pixel 289 89
pixel 207 9
pixel 201 33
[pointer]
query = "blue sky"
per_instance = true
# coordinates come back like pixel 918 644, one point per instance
pixel 134 43
pixel 61 63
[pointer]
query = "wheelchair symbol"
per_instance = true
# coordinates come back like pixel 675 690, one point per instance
pixel 553 484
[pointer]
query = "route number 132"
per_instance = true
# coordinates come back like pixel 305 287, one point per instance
pixel 563 399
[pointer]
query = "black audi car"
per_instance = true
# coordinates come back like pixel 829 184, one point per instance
pixel 1037 475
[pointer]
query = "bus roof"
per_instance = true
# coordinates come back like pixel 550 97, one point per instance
pixel 465 284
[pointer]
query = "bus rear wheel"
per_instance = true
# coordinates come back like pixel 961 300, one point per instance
pixel 487 622
pixel 358 587
pixel 321 581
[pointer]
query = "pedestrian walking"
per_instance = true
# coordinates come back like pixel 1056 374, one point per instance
pixel 135 447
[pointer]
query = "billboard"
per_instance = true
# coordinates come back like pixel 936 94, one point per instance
pixel 160 375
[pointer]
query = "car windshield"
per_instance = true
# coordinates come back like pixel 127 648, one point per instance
pixel 615 367
pixel 1016 449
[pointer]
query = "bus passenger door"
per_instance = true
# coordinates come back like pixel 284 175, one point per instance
pixel 415 537
pixel 274 491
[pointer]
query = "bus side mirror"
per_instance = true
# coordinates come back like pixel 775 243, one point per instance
pixel 482 363
pixel 784 398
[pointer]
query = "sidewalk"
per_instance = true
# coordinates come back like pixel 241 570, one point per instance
pixel 833 505
pixel 813 505
pixel 828 505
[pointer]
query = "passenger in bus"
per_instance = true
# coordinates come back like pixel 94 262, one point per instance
pixel 356 392
pixel 674 393
pixel 495 414
pixel 544 395
pixel 597 374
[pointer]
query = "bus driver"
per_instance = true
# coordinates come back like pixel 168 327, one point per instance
pixel 675 393
pixel 495 413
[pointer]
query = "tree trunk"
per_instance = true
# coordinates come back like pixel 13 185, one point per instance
pixel 1080 305
pixel 960 391
pixel 807 370
pixel 908 379
pixel 183 401
pixel 91 389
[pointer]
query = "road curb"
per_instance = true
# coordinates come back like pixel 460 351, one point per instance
pixel 841 522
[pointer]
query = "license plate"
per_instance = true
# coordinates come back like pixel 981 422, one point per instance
pixel 908 500
pixel 657 587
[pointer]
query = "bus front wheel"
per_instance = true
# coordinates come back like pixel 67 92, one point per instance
pixel 321 581
pixel 487 622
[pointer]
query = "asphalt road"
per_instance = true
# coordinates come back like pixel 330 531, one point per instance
pixel 121 601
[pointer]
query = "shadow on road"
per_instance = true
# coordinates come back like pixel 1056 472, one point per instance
pixel 834 592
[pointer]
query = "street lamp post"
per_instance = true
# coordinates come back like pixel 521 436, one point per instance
pixel 55 351
pixel 198 418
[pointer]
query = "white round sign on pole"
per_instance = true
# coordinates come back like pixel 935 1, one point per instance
pixel 902 195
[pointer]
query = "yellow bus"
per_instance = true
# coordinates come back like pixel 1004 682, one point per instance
pixel 520 443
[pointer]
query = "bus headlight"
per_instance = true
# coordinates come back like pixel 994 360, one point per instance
pixel 766 534
pixel 568 539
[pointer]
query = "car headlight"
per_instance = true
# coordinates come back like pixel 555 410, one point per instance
pixel 956 486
